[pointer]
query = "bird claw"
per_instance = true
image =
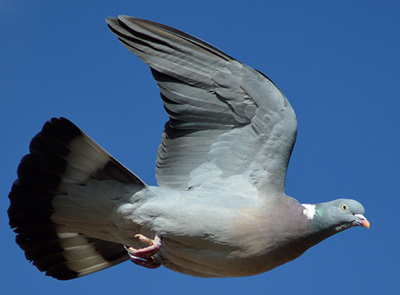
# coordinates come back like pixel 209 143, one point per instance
pixel 145 256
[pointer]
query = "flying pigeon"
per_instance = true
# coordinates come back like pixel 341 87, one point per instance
pixel 219 209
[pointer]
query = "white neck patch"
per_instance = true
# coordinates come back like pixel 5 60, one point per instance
pixel 309 211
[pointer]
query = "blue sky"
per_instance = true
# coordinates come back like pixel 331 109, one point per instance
pixel 337 62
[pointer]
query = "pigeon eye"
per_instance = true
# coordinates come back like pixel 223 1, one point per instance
pixel 344 207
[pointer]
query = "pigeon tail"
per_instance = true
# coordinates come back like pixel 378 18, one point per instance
pixel 63 161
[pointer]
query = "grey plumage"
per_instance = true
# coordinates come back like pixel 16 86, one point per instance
pixel 220 208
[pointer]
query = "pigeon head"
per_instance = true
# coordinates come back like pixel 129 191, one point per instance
pixel 335 216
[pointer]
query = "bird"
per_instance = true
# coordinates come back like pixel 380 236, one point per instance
pixel 219 209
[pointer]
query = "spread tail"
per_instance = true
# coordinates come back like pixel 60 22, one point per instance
pixel 63 159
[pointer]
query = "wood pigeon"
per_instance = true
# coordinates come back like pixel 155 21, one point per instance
pixel 219 209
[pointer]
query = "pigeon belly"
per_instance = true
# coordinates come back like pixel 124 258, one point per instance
pixel 242 245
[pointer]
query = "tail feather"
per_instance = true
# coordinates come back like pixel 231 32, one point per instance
pixel 62 160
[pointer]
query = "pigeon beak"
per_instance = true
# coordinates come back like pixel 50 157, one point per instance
pixel 361 220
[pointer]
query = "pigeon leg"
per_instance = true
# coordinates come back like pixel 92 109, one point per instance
pixel 145 256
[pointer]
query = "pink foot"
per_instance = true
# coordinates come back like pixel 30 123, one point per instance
pixel 145 256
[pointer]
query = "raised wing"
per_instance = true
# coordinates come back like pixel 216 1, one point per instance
pixel 227 120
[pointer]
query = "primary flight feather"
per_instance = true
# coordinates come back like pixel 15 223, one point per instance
pixel 219 210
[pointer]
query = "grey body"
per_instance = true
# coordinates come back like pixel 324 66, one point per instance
pixel 220 207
